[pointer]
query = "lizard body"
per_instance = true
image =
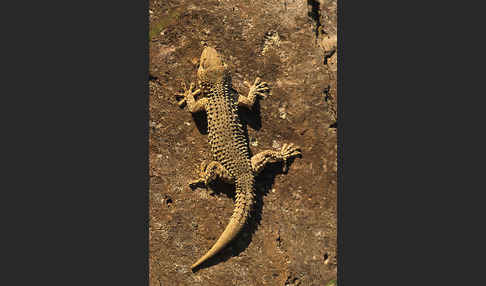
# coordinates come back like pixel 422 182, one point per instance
pixel 231 157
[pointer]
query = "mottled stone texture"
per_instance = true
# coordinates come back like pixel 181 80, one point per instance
pixel 291 238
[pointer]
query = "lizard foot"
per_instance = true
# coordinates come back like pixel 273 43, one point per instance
pixel 202 181
pixel 188 92
pixel 259 88
pixel 288 151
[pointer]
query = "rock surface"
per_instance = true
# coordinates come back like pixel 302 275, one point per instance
pixel 291 238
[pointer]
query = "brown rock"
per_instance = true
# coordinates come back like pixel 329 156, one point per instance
pixel 276 41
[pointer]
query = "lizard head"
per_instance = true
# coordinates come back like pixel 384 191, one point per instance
pixel 212 69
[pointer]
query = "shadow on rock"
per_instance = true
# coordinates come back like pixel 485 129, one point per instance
pixel 201 121
pixel 251 117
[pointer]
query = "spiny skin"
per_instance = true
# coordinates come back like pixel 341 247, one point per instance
pixel 228 142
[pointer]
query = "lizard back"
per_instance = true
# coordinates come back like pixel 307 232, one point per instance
pixel 226 136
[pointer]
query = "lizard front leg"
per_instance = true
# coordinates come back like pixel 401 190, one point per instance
pixel 210 172
pixel 259 88
pixel 188 98
pixel 260 160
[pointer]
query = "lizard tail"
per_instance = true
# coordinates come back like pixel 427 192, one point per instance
pixel 244 200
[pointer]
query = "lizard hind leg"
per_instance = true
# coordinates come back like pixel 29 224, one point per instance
pixel 260 160
pixel 210 172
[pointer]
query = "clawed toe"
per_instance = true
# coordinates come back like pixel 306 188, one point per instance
pixel 290 150
pixel 257 81
pixel 262 89
pixel 260 94
pixel 204 165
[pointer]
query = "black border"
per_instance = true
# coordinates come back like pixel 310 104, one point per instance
pixel 340 206
pixel 403 101
pixel 77 156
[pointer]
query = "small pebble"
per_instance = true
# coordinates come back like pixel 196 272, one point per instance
pixel 282 113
